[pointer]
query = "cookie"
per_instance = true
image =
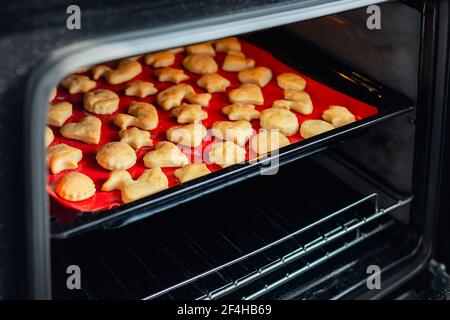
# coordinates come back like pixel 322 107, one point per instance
pixel 213 82
pixel 226 154
pixel 136 138
pixel 199 98
pixel 291 81
pixel 248 93
pixel 205 48
pixel 126 70
pixel 62 157
pixel 48 136
pixel 173 96
pixel 260 76
pixel 116 156
pixel 235 131
pixel 151 181
pixel 171 75
pixel 228 44
pixel 176 50
pixel 267 141
pixel 75 186
pixel 52 94
pixel 310 128
pixel 165 155
pixel 160 59
pixel 190 135
pixel 88 130
pixel 338 116
pixel 200 64
pixel 236 61
pixel 191 171
pixel 298 101
pixel 189 113
pixel 140 89
pixel 240 111
pixel 283 120
pixel 140 114
pixel 101 101
pixel 58 113
pixel 78 84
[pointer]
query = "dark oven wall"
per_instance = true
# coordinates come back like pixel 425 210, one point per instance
pixel 391 56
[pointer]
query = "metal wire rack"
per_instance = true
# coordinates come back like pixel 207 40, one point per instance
pixel 345 227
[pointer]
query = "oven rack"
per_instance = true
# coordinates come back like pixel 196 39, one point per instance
pixel 345 228
pixel 214 244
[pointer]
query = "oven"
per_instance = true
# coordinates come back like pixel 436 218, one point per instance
pixel 352 213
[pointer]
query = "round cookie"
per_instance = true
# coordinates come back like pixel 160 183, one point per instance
pixel 267 141
pixel 116 156
pixel 75 186
pixel 101 101
pixel 200 64
pixel 311 128
pixel 281 119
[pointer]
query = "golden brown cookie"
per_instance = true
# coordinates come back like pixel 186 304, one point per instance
pixel 283 120
pixel 172 96
pixel 226 154
pixel 160 59
pixel 101 101
pixel 201 64
pixel 48 136
pixel 78 84
pixel 267 141
pixel 171 75
pixel 58 113
pixel 151 181
pixel 248 93
pixel 312 128
pixel 62 157
pixel 236 61
pixel 205 48
pixel 299 101
pixel 191 171
pixel 116 156
pixel 52 94
pixel 291 81
pixel 88 130
pixel 260 76
pixel 213 82
pixel 75 186
pixel 140 89
pixel 140 114
pixel 199 98
pixel 338 116
pixel 136 138
pixel 190 135
pixel 165 155
pixel 176 50
pixel 126 70
pixel 235 131
pixel 240 111
pixel 189 113
pixel 228 44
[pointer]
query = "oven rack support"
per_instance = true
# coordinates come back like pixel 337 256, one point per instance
pixel 352 224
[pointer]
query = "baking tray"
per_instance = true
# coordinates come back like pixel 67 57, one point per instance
pixel 302 57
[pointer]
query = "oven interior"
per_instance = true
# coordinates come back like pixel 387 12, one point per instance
pixel 308 232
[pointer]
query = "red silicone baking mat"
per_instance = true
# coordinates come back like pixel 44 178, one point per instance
pixel 321 95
